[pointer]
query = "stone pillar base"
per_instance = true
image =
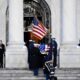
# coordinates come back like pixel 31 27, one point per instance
pixel 69 56
pixel 16 57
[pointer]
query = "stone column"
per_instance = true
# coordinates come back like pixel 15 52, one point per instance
pixel 16 52
pixel 55 19
pixel 69 53
pixel 68 21
pixel 3 6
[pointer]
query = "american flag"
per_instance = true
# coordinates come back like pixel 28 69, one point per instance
pixel 38 29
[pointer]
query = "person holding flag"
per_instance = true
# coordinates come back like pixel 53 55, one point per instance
pixel 34 58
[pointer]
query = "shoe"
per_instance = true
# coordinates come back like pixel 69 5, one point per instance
pixel 55 67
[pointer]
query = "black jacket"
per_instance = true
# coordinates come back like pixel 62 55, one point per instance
pixel 2 49
pixel 35 58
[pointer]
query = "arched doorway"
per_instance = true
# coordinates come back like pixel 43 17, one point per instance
pixel 42 10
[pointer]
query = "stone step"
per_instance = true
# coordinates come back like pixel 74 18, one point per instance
pixel 67 74
pixel 20 75
pixel 22 78
pixel 18 72
pixel 61 74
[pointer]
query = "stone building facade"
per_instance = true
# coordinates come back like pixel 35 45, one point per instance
pixel 60 16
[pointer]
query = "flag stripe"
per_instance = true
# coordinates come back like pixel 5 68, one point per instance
pixel 39 32
pixel 39 28
pixel 42 29
pixel 40 24
pixel 38 36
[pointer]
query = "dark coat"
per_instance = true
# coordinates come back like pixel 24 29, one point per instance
pixel 54 49
pixel 54 46
pixel 2 49
pixel 52 52
pixel 35 58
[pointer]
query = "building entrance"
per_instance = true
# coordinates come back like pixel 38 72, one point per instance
pixel 27 29
pixel 42 11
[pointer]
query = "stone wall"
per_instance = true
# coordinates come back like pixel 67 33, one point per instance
pixel 78 19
